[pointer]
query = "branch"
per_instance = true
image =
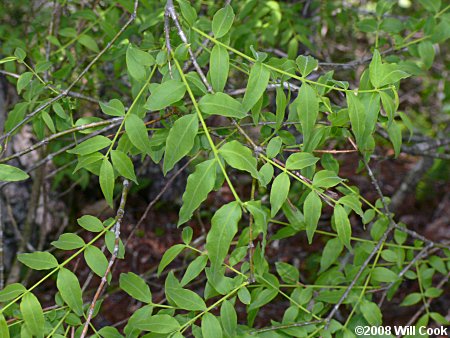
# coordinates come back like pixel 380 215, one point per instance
pixel 170 10
pixel 423 253
pixel 427 304
pixel 63 149
pixel 62 133
pixel 372 253
pixel 156 199
pixel 116 230
pixel 65 92
pixel 287 326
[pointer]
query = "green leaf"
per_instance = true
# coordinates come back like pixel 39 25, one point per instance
pixel 281 103
pixel 137 60
pixel 184 299
pixel 135 286
pixel 32 313
pixel 9 173
pixel 23 81
pixel 228 317
pixel 312 209
pixel 165 94
pixel 123 164
pixel 343 227
pixel 88 42
pixel 15 116
pixel 107 181
pixel 375 69
pixel 222 21
pixel 109 332
pixel 433 292
pixel 189 13
pixel 367 25
pixel 4 331
pixel 38 260
pixel 256 86
pixel 90 223
pixel 199 185
pixel 411 299
pixel 431 6
pixel 113 108
pixel 186 235
pixel 70 290
pixel 195 83
pixel 437 263
pixel 279 192
pixel 326 179
pixel 68 242
pixel 384 275
pixel 391 73
pixel 427 53
pixel 307 110
pixel 194 269
pixel 384 74
pixel 110 241
pixel 8 59
pixel 20 53
pixel 221 104
pixel 299 161
pixel 353 202
pixel 169 256
pixel 219 66
pixel 274 146
pixel 137 133
pixel 306 64
pixel 390 256
pixel 180 140
pixel 68 32
pixel 389 105
pixel 11 291
pixel 91 145
pixel 96 260
pixel 287 272
pixel 438 318
pixel 239 157
pixel 371 312
pixel 224 226
pixel 244 295
pixel 395 135
pixel 331 252
pixel 158 324
pixel 48 121
pixel 262 298
pixel 357 116
pixel 265 174
pixel 211 326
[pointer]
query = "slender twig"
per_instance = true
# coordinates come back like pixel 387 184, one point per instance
pixel 156 199
pixel 428 302
pixel 287 326
pixel 170 9
pixel 423 253
pixel 71 93
pixel 28 226
pixel 372 253
pixel 50 157
pixel 65 92
pixel 2 250
pixel 104 280
pixel 48 46
pixel 167 35
pixel 57 135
